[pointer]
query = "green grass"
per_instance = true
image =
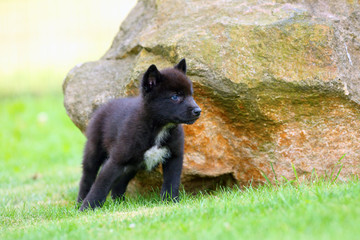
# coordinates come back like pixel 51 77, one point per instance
pixel 23 82
pixel 40 168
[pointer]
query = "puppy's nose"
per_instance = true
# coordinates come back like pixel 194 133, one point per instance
pixel 196 111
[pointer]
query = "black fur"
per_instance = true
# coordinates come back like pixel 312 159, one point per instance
pixel 121 131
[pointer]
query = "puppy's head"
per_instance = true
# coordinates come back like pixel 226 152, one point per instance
pixel 168 94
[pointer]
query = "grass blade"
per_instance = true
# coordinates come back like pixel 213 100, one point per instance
pixel 314 176
pixel 272 168
pixel 266 178
pixel 337 175
pixel 333 170
pixel 342 157
pixel 296 176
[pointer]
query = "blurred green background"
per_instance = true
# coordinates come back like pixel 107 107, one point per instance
pixel 40 41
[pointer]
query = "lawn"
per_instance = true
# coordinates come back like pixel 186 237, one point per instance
pixel 40 163
pixel 40 157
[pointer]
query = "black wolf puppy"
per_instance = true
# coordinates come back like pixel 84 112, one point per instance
pixel 129 134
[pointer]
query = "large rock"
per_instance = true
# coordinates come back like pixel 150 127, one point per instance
pixel 278 83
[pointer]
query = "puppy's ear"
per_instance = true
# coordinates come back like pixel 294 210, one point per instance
pixel 150 79
pixel 181 66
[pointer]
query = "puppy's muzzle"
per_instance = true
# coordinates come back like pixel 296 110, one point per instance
pixel 196 112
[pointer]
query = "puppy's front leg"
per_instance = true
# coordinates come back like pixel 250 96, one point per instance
pixel 103 183
pixel 172 171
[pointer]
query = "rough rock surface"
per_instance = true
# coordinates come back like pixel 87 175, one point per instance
pixel 278 82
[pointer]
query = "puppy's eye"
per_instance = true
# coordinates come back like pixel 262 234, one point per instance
pixel 175 97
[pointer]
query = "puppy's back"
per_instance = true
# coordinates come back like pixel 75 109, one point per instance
pixel 111 118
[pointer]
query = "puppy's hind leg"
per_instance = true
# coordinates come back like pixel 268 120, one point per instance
pixel 119 187
pixel 102 186
pixel 93 158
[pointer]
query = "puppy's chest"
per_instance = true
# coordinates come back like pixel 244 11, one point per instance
pixel 158 153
